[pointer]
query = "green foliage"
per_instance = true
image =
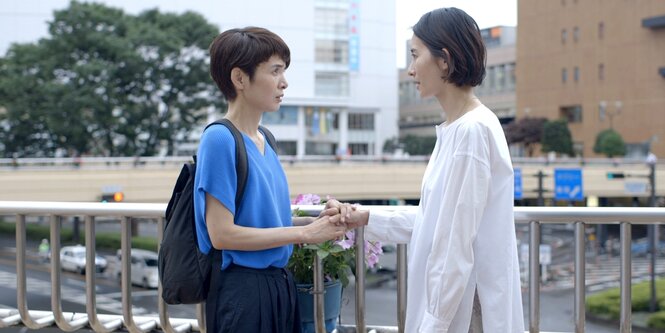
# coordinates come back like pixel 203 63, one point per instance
pixel 335 262
pixel 109 241
pixel 105 82
pixel 419 145
pixel 557 137
pixel 607 304
pixel 610 143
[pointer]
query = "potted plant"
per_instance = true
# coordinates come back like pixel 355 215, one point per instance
pixel 335 257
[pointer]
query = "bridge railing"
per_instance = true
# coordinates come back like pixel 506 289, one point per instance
pixel 177 161
pixel 69 321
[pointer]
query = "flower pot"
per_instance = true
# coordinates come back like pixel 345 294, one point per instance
pixel 332 302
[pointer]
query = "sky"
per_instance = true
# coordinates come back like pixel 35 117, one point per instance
pixel 25 20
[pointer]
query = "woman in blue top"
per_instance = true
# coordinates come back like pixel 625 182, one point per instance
pixel 255 292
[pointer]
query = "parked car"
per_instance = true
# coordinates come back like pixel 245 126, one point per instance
pixel 642 247
pixel 143 266
pixel 72 258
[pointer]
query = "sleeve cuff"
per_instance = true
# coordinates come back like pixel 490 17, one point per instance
pixel 431 324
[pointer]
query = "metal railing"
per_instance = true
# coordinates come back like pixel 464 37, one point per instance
pixel 68 321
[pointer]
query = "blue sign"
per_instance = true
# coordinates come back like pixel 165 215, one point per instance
pixel 568 184
pixel 518 184
pixel 354 35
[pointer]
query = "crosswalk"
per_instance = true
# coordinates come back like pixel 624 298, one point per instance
pixel 603 274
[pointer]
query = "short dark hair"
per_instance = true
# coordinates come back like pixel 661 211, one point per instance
pixel 244 48
pixel 454 30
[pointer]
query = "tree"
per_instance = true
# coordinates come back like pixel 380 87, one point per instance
pixel 419 145
pixel 527 131
pixel 107 83
pixel 557 138
pixel 610 143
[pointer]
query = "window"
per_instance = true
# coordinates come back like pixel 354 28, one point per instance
pixel 564 36
pixel 500 75
pixel 511 76
pixel 576 74
pixel 286 147
pixel 361 121
pixel 332 84
pixel 286 115
pixel 573 114
pixel 359 148
pixel 601 72
pixel 332 51
pixel 319 121
pixel 601 30
pixel 331 21
pixel 319 148
pixel 576 34
pixel 490 78
pixel 564 75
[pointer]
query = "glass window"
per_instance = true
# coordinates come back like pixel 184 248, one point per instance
pixel 500 75
pixel 576 74
pixel 601 30
pixel 287 148
pixel 332 51
pixel 576 34
pixel 331 21
pixel 286 115
pixel 319 148
pixel 332 84
pixel 511 76
pixel 601 72
pixel 361 121
pixel 573 114
pixel 564 75
pixel 564 36
pixel 319 120
pixel 359 148
pixel 490 78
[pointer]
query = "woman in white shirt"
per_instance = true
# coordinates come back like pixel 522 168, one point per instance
pixel 462 236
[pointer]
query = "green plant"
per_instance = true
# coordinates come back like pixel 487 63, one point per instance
pixel 610 143
pixel 557 138
pixel 335 255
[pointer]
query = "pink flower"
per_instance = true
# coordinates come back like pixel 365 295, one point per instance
pixel 307 199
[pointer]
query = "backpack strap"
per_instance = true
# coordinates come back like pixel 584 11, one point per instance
pixel 269 137
pixel 241 157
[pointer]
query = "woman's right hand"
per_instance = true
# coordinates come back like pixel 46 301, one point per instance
pixel 324 228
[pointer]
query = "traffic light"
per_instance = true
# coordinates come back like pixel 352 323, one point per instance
pixel 615 175
pixel 113 197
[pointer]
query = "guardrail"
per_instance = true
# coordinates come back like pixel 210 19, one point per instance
pixel 170 161
pixel 533 216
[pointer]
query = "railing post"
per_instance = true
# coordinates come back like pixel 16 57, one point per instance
pixel 580 276
pixel 534 277
pixel 401 287
pixel 360 280
pixel 626 279
pixel 318 292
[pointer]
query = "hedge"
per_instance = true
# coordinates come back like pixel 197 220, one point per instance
pixel 103 240
pixel 606 304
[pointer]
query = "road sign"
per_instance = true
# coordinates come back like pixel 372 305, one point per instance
pixel 568 184
pixel 635 187
pixel 518 184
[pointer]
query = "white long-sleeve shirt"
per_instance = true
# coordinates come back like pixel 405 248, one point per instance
pixel 462 236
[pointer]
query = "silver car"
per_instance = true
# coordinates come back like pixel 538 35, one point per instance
pixel 144 268
pixel 72 258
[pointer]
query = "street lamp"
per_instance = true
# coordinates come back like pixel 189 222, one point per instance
pixel 653 229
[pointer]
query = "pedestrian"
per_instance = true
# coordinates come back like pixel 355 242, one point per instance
pixel 255 292
pixel 44 250
pixel 462 236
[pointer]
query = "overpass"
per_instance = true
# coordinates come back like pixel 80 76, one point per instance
pixel 151 179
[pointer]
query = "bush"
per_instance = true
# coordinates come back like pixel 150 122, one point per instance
pixel 109 241
pixel 607 304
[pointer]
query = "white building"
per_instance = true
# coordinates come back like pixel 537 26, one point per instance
pixel 342 94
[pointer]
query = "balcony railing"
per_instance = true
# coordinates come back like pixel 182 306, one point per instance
pixel 68 321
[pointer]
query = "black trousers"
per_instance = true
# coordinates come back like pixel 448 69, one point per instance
pixel 252 300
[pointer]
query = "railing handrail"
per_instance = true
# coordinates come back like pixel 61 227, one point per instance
pixel 534 216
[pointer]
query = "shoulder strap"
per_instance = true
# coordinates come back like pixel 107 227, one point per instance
pixel 241 157
pixel 269 137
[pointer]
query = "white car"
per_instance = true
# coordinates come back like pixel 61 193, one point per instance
pixel 144 268
pixel 72 258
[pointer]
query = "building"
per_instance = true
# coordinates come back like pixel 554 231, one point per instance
pixel 418 116
pixel 599 64
pixel 342 94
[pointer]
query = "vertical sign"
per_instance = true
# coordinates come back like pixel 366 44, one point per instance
pixel 568 184
pixel 354 35
pixel 518 184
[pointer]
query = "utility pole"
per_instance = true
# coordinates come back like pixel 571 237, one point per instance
pixel 541 190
